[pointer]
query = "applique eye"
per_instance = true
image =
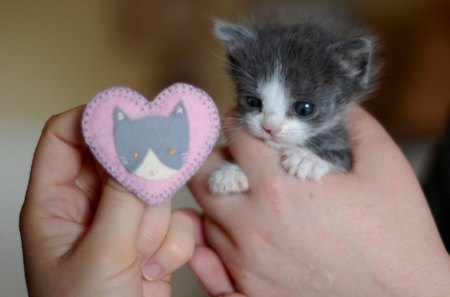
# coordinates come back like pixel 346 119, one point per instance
pixel 304 109
pixel 172 152
pixel 135 155
pixel 254 102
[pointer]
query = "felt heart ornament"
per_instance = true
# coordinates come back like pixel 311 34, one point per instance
pixel 151 148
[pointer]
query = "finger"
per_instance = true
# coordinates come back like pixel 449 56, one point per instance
pixel 196 219
pixel 153 229
pixel 88 179
pixel 217 207
pixel 175 251
pixel 210 271
pixel 372 147
pixel 217 237
pixel 205 263
pixel 114 230
pixel 254 156
pixel 57 162
pixel 199 182
pixel 160 288
pixel 58 155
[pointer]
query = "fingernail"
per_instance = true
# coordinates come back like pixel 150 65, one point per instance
pixel 152 271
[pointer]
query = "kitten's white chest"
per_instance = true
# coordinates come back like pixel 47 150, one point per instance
pixel 152 168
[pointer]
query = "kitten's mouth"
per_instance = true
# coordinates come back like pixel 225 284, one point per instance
pixel 266 136
pixel 273 138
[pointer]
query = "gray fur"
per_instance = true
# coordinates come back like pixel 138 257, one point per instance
pixel 328 61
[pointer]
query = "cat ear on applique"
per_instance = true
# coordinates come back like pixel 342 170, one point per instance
pixel 119 115
pixel 179 110
pixel 232 35
pixel 355 57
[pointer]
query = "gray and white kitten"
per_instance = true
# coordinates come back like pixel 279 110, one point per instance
pixel 294 82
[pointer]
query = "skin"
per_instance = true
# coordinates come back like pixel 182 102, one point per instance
pixel 365 233
pixel 84 235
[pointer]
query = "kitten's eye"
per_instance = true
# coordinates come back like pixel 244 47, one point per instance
pixel 172 152
pixel 135 155
pixel 304 109
pixel 254 102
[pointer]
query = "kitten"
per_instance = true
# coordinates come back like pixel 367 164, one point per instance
pixel 153 147
pixel 294 82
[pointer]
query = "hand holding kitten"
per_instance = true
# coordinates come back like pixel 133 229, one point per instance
pixel 365 233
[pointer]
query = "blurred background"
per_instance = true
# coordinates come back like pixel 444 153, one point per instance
pixel 58 54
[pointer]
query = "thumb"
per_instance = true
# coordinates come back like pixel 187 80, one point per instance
pixel 114 229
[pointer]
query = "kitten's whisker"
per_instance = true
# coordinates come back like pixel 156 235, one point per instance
pixel 241 71
pixel 232 130
pixel 218 56
pixel 312 145
pixel 234 118
pixel 242 75
pixel 230 64
pixel 238 125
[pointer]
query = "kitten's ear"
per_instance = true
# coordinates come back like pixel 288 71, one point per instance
pixel 233 36
pixel 119 115
pixel 178 110
pixel 355 57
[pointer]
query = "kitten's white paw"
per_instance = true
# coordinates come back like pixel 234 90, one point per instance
pixel 228 179
pixel 304 164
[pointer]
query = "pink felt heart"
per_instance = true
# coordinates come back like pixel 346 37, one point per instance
pixel 151 147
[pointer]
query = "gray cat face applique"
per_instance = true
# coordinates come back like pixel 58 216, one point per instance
pixel 153 147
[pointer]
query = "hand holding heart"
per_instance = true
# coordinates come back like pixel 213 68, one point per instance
pixel 83 234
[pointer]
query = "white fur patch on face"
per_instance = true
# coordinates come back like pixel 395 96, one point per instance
pixel 275 101
pixel 286 130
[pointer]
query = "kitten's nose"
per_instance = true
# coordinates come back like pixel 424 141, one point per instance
pixel 271 129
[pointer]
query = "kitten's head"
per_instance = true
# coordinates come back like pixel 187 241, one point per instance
pixel 295 81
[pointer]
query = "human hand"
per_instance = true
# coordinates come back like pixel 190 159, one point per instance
pixel 365 233
pixel 84 235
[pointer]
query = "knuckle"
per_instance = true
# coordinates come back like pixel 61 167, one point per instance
pixel 180 252
pixel 113 260
pixel 273 191
pixel 51 122
pixel 181 247
pixel 274 197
